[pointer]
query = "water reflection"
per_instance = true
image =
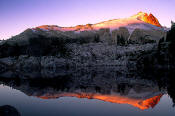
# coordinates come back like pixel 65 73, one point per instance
pixel 107 86
pixel 139 93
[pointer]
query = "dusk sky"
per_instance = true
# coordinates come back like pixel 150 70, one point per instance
pixel 18 15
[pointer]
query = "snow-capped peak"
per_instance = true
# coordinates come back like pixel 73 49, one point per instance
pixel 139 15
pixel 141 20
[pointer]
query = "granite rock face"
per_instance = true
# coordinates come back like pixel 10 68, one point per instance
pixel 145 36
pixel 120 36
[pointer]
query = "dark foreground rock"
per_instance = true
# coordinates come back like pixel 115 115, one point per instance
pixel 8 111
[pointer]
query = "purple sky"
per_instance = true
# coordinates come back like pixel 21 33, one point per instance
pixel 18 15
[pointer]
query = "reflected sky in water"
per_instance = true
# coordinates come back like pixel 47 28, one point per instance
pixel 72 106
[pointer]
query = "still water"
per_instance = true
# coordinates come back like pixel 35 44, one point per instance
pixel 69 96
pixel 85 93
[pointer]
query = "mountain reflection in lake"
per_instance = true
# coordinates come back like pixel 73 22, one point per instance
pixel 86 93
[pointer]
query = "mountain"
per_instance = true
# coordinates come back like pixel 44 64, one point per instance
pixel 115 42
pixel 140 20
pixel 128 28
